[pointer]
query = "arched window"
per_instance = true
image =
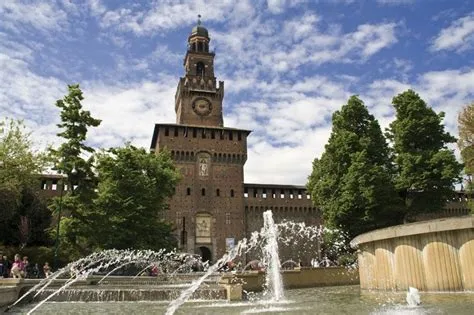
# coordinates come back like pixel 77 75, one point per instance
pixel 218 192
pixel 200 46
pixel 200 69
pixel 188 191
pixel 193 47
pixel 232 193
pixel 203 191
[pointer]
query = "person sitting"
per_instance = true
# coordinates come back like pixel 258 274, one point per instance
pixel 46 270
pixel 17 270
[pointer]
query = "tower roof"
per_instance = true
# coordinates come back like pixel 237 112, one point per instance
pixel 199 30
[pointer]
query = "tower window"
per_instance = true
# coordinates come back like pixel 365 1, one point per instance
pixel 167 132
pixel 176 131
pixel 213 134
pixel 218 192
pixel 204 133
pixel 200 46
pixel 203 191
pixel 231 135
pixel 193 47
pixel 200 69
pixel 194 133
pixel 206 47
pixel 232 193
pixel 222 135
pixel 188 191
pixel 239 136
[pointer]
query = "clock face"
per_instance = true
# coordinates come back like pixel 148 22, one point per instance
pixel 202 106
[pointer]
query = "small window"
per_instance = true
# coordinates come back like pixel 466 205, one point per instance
pixel 213 134
pixel 264 193
pixel 204 133
pixel 239 136
pixel 55 185
pixel 176 131
pixel 232 193
pixel 203 191
pixel 231 135
pixel 273 194
pixel 200 69
pixel 218 192
pixel 246 192
pixel 194 133
pixel 227 218
pixel 44 185
pixel 188 191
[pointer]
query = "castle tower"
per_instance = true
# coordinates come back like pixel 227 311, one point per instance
pixel 198 99
pixel 208 208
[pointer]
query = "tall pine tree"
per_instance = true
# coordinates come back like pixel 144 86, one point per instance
pixel 426 169
pixel 352 181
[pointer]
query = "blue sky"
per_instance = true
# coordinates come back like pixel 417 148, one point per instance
pixel 287 65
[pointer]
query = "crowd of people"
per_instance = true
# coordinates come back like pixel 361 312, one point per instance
pixel 21 268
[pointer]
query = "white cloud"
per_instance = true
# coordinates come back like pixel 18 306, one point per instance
pixel 458 36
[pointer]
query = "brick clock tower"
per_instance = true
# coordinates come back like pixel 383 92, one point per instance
pixel 208 206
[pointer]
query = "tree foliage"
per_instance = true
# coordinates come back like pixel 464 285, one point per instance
pixel 23 214
pixel 352 181
pixel 74 159
pixel 426 169
pixel 133 187
pixel 466 144
pixel 119 194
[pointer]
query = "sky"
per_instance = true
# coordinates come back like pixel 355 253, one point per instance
pixel 287 66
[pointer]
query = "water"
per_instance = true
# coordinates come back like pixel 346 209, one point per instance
pixel 273 281
pixel 327 300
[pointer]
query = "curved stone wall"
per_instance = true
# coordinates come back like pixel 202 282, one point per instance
pixel 436 255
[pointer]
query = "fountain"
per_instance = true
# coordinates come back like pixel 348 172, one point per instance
pixel 177 290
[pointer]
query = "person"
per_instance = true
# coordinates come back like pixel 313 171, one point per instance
pixel 17 270
pixel 26 267
pixel 46 270
pixel 154 271
pixel 6 267
pixel 36 271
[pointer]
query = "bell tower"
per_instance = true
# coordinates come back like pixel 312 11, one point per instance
pixel 198 99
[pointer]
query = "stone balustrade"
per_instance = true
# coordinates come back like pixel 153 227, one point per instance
pixel 436 255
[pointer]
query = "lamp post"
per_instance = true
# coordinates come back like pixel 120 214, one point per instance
pixel 56 247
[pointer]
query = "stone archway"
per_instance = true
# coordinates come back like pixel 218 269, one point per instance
pixel 205 253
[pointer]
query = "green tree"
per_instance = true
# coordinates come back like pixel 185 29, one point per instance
pixel 466 145
pixel 71 159
pixel 133 187
pixel 426 169
pixel 352 181
pixel 23 215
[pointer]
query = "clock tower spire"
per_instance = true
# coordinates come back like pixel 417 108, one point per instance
pixel 198 99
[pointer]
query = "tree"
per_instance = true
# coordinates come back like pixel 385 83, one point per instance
pixel 466 145
pixel 352 181
pixel 71 159
pixel 133 187
pixel 426 169
pixel 23 215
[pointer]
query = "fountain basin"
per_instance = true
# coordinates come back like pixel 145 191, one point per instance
pixel 435 255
